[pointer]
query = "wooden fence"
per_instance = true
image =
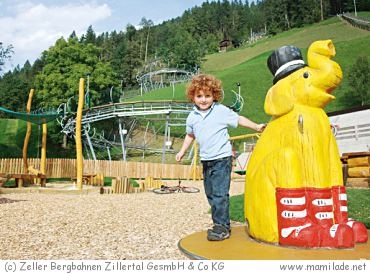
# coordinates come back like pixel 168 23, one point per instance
pixel 66 168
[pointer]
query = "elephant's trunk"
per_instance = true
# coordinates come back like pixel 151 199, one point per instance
pixel 319 57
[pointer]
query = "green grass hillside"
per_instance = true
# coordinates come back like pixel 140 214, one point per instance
pixel 13 132
pixel 334 29
pixel 247 65
pixel 12 135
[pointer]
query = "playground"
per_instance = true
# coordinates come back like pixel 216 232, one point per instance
pixel 147 226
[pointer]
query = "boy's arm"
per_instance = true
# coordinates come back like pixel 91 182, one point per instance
pixel 187 142
pixel 245 122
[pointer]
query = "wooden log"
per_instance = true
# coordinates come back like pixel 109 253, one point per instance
pixel 149 182
pixel 359 161
pixel 344 159
pixel 356 154
pixel 124 184
pixel 129 186
pixel 142 186
pixel 116 186
pixel 119 185
pixel 345 172
pixel 358 182
pixel 114 183
pixel 360 171
pixel 100 179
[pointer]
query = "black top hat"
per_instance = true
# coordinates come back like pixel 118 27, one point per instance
pixel 283 61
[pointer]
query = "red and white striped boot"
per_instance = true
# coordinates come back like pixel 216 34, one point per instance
pixel 295 227
pixel 341 215
pixel 320 209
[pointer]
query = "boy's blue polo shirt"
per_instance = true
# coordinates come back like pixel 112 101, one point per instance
pixel 211 131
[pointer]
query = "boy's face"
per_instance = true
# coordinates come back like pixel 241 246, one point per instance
pixel 203 100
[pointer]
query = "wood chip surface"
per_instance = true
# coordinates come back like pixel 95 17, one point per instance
pixel 137 226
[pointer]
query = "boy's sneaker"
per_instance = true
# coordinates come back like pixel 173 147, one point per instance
pixel 218 233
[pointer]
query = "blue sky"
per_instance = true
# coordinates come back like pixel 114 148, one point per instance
pixel 32 26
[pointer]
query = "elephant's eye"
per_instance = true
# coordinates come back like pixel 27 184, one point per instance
pixel 306 74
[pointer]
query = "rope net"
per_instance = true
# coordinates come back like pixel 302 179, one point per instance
pixel 35 118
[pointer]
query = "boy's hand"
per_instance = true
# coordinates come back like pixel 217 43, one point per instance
pixel 179 156
pixel 260 127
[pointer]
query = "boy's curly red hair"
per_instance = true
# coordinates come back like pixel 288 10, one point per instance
pixel 206 83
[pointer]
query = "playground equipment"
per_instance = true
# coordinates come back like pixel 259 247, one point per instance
pixel 39 117
pixel 238 103
pixel 78 124
pixel 242 159
pixel 79 156
pixel 129 115
pixel 161 78
pixel 171 113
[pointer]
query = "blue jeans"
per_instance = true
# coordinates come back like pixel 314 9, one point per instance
pixel 216 177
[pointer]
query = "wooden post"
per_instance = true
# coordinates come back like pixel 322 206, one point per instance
pixel 43 153
pixel 28 133
pixel 195 173
pixel 114 185
pixel 78 134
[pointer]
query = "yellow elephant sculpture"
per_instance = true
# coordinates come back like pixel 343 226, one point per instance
pixel 294 192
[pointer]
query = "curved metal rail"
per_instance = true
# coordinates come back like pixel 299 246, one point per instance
pixel 169 111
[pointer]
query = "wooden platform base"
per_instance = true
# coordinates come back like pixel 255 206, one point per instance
pixel 241 247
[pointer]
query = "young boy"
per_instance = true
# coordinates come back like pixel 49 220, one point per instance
pixel 208 123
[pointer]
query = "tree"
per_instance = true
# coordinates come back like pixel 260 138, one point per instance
pixel 184 52
pixel 359 80
pixel 13 91
pixel 5 54
pixel 15 86
pixel 65 63
pixel 90 36
pixel 146 24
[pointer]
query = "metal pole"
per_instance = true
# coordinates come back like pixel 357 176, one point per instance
pixel 121 134
pixel 87 151
pixel 122 83
pixel 165 139
pixel 111 94
pixel 173 90
pixel 90 144
pixel 87 95
pixel 354 3
pixel 108 150
pixel 144 146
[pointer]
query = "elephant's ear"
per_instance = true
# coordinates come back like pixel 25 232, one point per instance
pixel 279 100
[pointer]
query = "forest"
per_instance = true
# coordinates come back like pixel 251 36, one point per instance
pixel 119 57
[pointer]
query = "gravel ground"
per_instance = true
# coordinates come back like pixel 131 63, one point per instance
pixel 94 226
